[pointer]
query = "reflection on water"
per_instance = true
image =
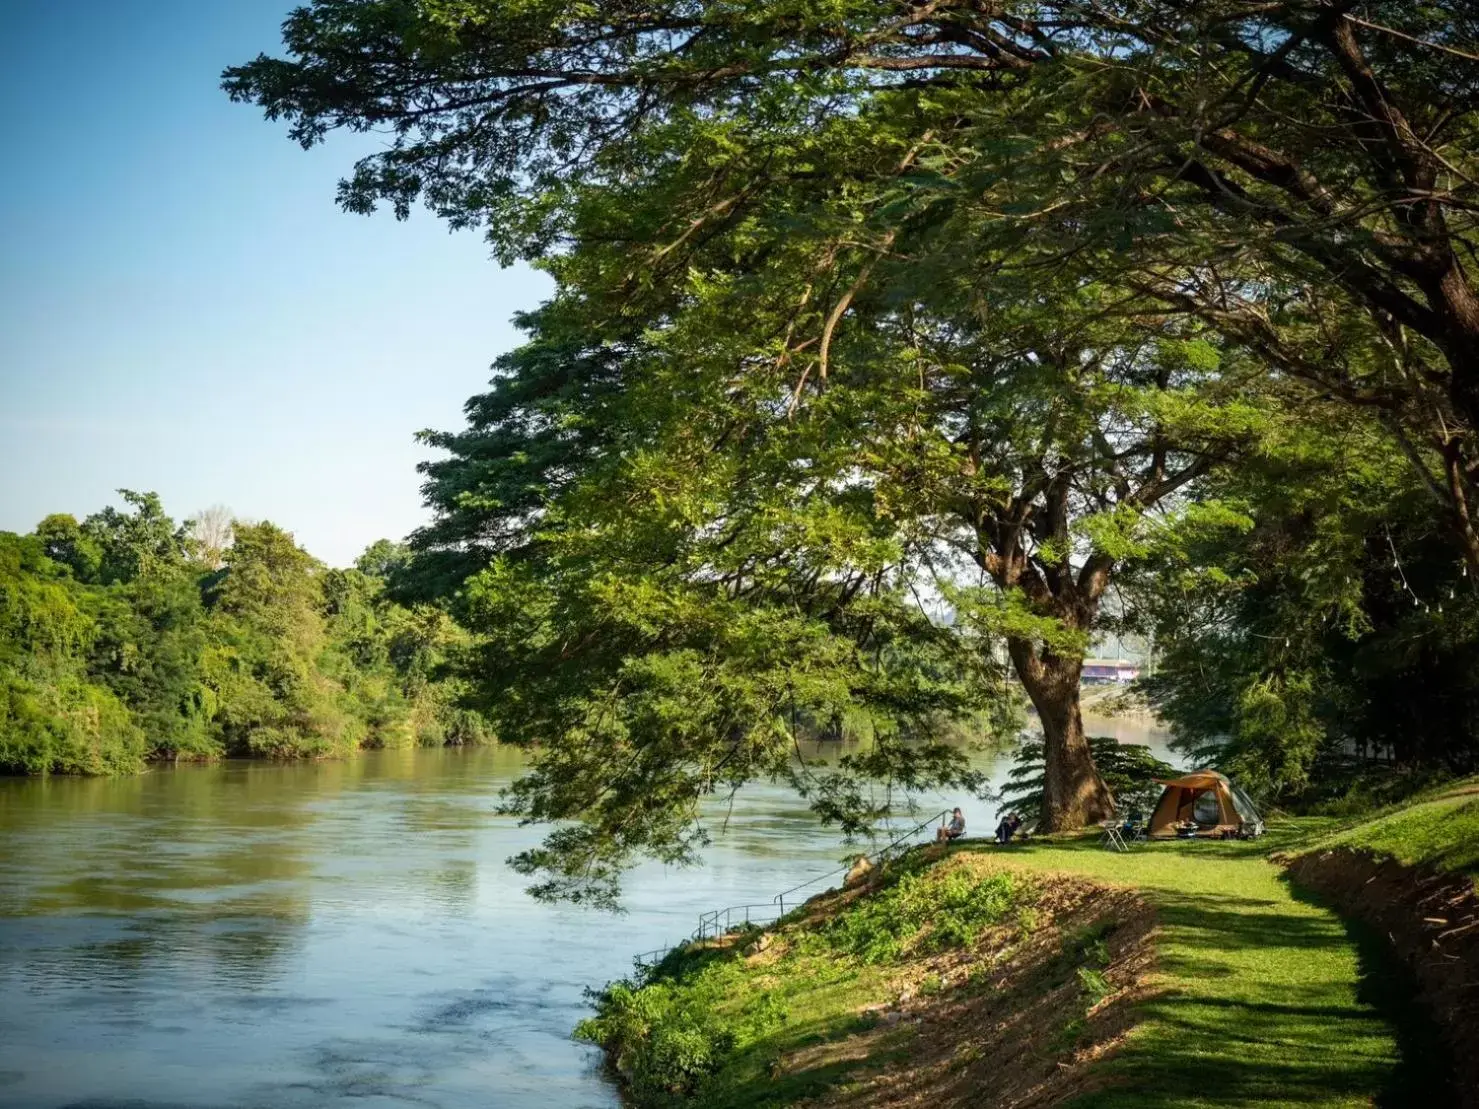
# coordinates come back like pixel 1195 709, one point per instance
pixel 324 934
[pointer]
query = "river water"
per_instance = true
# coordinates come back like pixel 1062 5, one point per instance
pixel 332 934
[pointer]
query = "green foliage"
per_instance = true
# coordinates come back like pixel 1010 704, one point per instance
pixel 1331 649
pixel 773 412
pixel 53 714
pixel 119 643
pixel 932 911
pixel 67 725
pixel 1129 770
pixel 698 1026
pixel 1096 986
pixel 860 303
pixel 663 1039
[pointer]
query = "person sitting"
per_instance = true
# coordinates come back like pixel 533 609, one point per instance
pixel 954 830
pixel 1008 828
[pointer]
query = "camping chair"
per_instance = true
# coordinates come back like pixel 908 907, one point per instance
pixel 1113 837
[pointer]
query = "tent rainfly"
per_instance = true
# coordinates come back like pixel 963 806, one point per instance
pixel 1208 800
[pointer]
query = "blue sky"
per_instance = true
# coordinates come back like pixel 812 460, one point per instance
pixel 184 309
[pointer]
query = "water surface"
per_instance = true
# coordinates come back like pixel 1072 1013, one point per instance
pixel 329 934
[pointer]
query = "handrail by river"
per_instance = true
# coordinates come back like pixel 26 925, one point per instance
pixel 877 857
pixel 717 922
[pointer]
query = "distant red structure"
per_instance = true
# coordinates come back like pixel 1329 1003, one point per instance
pixel 1099 671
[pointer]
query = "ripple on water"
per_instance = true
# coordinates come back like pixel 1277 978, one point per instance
pixel 322 936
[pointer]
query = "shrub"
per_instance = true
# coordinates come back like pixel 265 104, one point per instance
pixel 936 910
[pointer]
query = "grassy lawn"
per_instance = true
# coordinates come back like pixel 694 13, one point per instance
pixel 1438 829
pixel 1258 995
pixel 1266 997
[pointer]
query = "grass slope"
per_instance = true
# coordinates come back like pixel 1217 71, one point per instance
pixel 928 983
pixel 1439 829
pixel 1258 997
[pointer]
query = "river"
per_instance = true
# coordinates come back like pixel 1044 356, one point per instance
pixel 331 934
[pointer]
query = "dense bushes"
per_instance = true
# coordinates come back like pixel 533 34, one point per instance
pixel 125 637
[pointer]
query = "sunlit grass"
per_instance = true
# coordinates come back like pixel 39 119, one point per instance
pixel 726 1030
pixel 1260 996
pixel 1440 829
pixel 1265 997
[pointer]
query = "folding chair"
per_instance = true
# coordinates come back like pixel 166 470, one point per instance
pixel 1113 838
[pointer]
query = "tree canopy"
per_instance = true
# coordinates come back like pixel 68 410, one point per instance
pixel 869 307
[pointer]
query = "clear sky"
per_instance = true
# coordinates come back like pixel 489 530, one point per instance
pixel 183 308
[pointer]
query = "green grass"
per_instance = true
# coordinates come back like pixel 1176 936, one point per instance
pixel 710 1027
pixel 1439 828
pixel 1267 998
pixel 1261 995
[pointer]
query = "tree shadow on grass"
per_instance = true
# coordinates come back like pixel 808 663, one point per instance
pixel 1260 1010
pixel 1425 1074
pixel 752 1077
pixel 1276 1022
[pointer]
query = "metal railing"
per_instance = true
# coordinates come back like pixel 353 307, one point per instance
pixel 720 922
pixel 877 859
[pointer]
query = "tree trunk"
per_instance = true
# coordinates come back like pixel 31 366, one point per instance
pixel 1074 795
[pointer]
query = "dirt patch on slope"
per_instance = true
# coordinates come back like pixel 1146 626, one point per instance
pixel 1432 919
pixel 1017 1022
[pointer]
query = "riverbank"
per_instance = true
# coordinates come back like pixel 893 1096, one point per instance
pixel 1179 974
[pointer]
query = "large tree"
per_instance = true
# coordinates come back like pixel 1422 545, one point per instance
pixel 790 304
pixel 1302 173
pixel 604 496
pixel 939 271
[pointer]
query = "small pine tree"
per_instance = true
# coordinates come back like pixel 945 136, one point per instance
pixel 1129 769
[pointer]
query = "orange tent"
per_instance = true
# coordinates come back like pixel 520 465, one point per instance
pixel 1209 801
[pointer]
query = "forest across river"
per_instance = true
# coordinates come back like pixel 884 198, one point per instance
pixel 330 933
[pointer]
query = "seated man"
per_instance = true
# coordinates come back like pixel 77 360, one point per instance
pixel 1008 828
pixel 954 830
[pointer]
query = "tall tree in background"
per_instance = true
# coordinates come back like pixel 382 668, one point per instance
pixel 121 642
pixel 211 531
